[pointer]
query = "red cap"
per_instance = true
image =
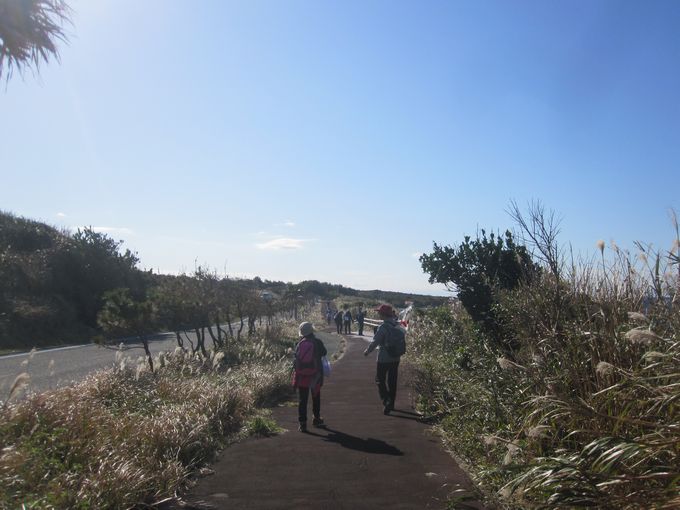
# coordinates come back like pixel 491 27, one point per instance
pixel 385 310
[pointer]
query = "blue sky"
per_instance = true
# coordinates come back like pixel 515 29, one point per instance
pixel 337 140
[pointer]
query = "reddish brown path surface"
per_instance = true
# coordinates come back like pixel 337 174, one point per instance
pixel 362 460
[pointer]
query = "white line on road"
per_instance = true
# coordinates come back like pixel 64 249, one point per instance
pixel 6 356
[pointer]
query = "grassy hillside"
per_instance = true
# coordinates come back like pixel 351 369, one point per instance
pixel 53 281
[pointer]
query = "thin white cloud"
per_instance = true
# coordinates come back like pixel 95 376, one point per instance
pixel 113 230
pixel 287 223
pixel 282 243
pixel 416 255
pixel 61 215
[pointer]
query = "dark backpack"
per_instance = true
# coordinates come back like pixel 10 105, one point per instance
pixel 395 341
pixel 305 358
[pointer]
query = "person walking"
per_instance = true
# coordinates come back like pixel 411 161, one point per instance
pixel 361 315
pixel 387 369
pixel 338 321
pixel 347 320
pixel 308 375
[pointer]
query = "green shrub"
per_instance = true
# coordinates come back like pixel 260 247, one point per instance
pixel 584 411
pixel 263 426
pixel 477 269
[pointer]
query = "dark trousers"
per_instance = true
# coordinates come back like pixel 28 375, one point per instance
pixel 348 328
pixel 389 371
pixel 361 328
pixel 302 406
pixel 338 326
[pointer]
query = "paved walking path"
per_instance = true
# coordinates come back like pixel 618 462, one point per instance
pixel 362 460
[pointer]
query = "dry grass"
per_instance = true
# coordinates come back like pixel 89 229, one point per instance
pixel 586 411
pixel 127 437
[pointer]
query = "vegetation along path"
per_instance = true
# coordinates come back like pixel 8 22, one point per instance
pixel 363 459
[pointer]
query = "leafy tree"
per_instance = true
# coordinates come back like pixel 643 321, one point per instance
pixel 183 306
pixel 476 269
pixel 213 297
pixel 91 264
pixel 292 297
pixel 247 304
pixel 29 30
pixel 123 315
pixel 175 307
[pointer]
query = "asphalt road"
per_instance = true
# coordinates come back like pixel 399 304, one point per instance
pixel 51 368
pixel 61 366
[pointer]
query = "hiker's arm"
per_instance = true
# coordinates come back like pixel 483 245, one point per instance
pixel 377 339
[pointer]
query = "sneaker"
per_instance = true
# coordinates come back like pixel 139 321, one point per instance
pixel 388 406
pixel 302 427
pixel 318 422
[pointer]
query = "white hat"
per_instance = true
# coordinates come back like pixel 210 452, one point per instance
pixel 306 329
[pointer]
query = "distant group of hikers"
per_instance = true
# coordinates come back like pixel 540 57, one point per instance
pixel 310 364
pixel 344 320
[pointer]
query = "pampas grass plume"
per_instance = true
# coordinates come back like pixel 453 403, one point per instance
pixel 217 360
pixel 538 431
pixel 642 336
pixel 489 440
pixel 31 355
pixel 603 368
pixel 505 363
pixel 637 316
pixel 513 448
pixel 20 382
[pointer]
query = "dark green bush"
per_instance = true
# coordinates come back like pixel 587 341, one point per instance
pixel 478 269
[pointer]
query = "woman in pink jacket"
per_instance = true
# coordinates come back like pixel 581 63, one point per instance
pixel 308 374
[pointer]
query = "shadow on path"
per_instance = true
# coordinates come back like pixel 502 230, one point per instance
pixel 369 445
pixel 363 461
pixel 409 416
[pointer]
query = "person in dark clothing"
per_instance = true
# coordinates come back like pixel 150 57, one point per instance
pixel 360 321
pixel 387 370
pixel 338 321
pixel 347 320
pixel 309 378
